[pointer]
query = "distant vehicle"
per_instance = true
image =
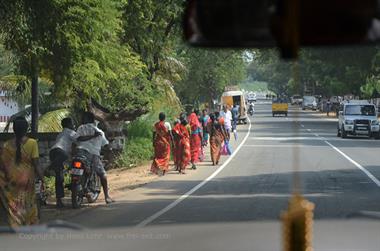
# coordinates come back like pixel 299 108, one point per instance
pixel 252 97
pixel 280 106
pixel 358 117
pixel 232 98
pixel 296 100
pixel 309 102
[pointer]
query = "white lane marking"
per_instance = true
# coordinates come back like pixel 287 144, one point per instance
pixel 314 138
pixel 370 175
pixel 197 187
pixel 282 138
pixel 280 146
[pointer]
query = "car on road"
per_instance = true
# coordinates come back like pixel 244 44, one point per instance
pixel 296 100
pixel 309 102
pixel 252 97
pixel 358 118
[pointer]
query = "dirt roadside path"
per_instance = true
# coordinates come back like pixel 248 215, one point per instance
pixel 120 182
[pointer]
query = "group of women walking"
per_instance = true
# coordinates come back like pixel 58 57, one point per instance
pixel 188 139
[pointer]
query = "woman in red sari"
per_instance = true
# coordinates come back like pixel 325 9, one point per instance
pixel 195 138
pixel 217 136
pixel 176 144
pixel 182 152
pixel 161 142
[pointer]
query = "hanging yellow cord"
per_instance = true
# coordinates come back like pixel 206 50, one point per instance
pixel 298 219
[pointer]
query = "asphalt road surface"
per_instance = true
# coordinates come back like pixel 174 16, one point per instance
pixel 237 205
pixel 341 176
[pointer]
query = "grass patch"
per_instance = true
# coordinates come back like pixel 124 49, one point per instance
pixel 138 147
pixel 137 150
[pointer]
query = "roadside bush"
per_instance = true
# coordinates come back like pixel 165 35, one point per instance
pixel 138 147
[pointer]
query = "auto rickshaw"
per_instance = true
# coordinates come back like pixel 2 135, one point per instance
pixel 280 106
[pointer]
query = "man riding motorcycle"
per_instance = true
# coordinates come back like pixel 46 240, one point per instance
pixel 91 148
pixel 251 108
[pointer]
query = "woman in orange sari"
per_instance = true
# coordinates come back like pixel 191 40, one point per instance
pixel 162 138
pixel 195 138
pixel 183 155
pixel 18 170
pixel 217 136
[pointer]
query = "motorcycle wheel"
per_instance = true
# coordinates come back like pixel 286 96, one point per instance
pixel 76 196
pixel 94 188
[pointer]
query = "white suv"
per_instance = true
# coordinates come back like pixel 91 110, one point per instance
pixel 358 117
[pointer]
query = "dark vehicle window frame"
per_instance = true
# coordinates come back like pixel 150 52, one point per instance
pixel 370 112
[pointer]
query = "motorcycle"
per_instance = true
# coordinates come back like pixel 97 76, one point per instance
pixel 251 110
pixel 85 183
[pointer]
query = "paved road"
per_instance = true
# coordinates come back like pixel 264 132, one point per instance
pixel 338 175
pixel 236 206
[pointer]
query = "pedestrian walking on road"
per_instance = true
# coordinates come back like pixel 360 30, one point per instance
pixel 227 115
pixel 328 107
pixel 217 137
pixel 162 137
pixel 195 138
pixel 183 155
pixel 176 144
pixel 18 171
pixel 204 121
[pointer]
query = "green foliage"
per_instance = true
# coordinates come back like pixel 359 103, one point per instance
pixel 138 147
pixel 51 121
pixel 7 64
pixel 102 67
pixel 255 86
pixel 137 150
pixel 208 72
pixel 268 67
pixel 151 29
pixel 76 44
pixel 337 71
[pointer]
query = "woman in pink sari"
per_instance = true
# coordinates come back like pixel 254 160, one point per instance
pixel 195 138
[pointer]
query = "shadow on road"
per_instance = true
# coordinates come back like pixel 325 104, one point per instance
pixel 337 194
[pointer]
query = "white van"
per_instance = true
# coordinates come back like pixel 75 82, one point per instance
pixel 358 117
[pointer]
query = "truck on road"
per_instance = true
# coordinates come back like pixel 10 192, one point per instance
pixel 236 97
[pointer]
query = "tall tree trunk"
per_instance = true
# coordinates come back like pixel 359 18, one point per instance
pixel 34 80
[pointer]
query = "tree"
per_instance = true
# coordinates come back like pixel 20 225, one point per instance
pixel 208 72
pixel 320 71
pixel 151 29
pixel 269 67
